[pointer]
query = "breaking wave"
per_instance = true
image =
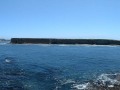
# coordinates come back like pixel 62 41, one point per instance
pixel 103 82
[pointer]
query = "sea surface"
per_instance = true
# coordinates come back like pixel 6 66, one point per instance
pixel 57 67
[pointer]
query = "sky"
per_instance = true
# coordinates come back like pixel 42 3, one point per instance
pixel 81 19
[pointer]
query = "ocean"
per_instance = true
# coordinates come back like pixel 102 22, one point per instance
pixel 58 67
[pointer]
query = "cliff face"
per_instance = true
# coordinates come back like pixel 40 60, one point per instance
pixel 64 41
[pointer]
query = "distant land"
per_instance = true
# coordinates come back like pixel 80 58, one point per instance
pixel 64 41
pixel 4 41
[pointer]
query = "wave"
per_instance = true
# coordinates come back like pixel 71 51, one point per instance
pixel 103 82
pixel 84 45
pixel 3 43
pixel 109 79
pixel 81 86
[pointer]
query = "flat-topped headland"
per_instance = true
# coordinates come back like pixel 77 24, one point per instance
pixel 64 41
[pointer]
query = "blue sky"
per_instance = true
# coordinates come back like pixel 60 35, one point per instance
pixel 60 18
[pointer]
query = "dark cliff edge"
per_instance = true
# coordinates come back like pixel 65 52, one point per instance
pixel 64 41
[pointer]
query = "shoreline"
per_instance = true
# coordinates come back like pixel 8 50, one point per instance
pixel 86 45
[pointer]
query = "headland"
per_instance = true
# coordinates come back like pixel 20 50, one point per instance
pixel 64 41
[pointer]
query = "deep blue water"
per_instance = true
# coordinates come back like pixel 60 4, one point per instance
pixel 55 67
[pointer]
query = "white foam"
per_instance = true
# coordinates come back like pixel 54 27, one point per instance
pixel 108 80
pixel 63 45
pixel 110 86
pixel 7 60
pixel 104 78
pixel 67 81
pixel 81 86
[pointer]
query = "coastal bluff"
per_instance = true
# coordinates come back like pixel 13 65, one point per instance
pixel 64 41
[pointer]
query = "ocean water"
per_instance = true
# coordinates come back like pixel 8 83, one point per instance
pixel 58 67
